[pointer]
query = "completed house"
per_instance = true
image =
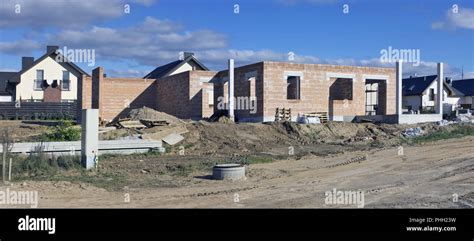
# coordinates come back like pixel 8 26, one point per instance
pixel 463 99
pixel 188 63
pixel 419 94
pixel 5 96
pixel 42 80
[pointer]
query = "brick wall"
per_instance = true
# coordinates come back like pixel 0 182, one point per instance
pixel 315 89
pixel 201 84
pixel 185 95
pixel 115 97
pixel 85 92
pixel 244 76
pixel 52 94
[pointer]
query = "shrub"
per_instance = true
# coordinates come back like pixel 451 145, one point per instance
pixel 63 131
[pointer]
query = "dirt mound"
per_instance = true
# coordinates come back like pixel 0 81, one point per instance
pixel 225 120
pixel 146 113
pixel 205 138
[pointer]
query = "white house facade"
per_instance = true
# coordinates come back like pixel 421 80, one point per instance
pixel 45 79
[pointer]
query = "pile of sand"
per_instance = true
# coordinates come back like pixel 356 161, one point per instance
pixel 146 113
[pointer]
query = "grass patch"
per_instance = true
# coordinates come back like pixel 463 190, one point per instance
pixel 377 144
pixel 38 166
pixel 449 132
pixel 259 159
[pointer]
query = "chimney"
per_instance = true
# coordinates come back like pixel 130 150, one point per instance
pixel 448 80
pixel 187 54
pixel 51 48
pixel 26 62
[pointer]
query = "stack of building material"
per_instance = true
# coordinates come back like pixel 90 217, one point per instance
pixel 322 116
pixel 282 114
pixel 152 123
pixel 129 124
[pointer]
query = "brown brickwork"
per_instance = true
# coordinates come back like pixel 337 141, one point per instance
pixel 52 94
pixel 185 95
pixel 271 89
pixel 243 76
pixel 315 89
pixel 115 97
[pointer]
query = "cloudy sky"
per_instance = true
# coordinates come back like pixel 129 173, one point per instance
pixel 153 32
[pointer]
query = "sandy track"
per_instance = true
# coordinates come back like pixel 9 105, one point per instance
pixel 425 176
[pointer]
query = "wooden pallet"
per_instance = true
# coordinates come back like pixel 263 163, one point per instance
pixel 282 114
pixel 323 116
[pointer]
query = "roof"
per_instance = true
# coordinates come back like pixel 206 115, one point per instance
pixel 167 69
pixel 465 86
pixel 417 85
pixel 16 77
pixel 4 77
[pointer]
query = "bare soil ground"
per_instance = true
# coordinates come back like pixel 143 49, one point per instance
pixel 426 176
pixel 23 132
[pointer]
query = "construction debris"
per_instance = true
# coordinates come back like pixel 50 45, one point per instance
pixel 464 116
pixel 444 123
pixel 130 124
pixel 309 120
pixel 153 123
pixel 173 139
pixel 413 132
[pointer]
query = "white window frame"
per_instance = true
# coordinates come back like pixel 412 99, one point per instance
pixel 68 79
pixel 35 87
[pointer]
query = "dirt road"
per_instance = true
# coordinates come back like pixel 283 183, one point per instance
pixel 427 176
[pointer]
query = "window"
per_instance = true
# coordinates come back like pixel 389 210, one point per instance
pixel 39 79
pixel 432 94
pixel 293 87
pixel 341 89
pixel 66 82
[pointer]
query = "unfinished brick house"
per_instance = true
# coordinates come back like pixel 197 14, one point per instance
pixel 179 88
pixel 344 92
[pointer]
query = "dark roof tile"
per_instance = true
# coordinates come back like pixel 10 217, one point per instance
pixel 465 86
pixel 416 85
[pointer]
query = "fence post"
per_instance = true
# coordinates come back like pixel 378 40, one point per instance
pixel 4 146
pixel 10 171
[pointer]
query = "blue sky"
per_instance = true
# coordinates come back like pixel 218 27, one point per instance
pixel 316 31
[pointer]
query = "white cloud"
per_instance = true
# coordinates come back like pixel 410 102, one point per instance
pixel 151 42
pixel 20 47
pixel 464 18
pixel 61 13
pixel 155 42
